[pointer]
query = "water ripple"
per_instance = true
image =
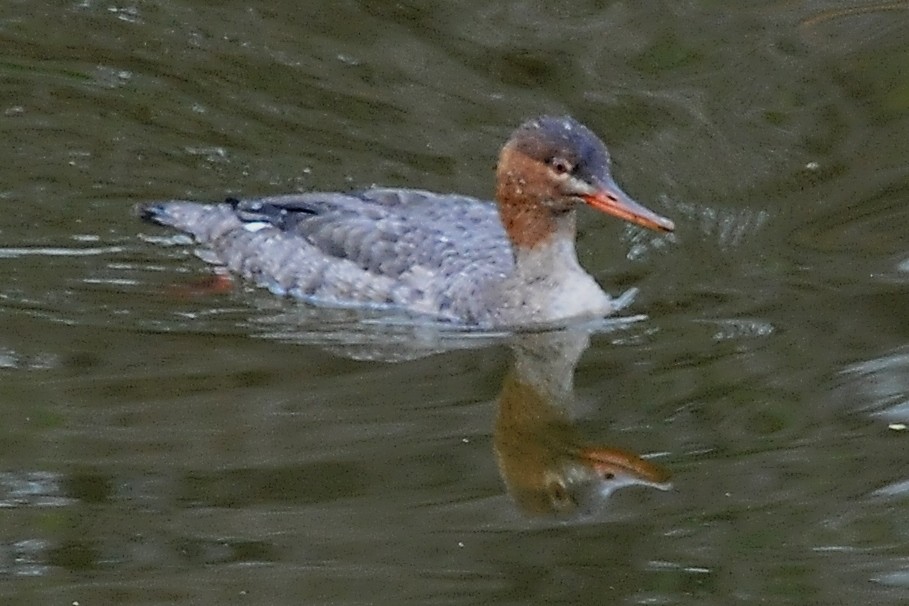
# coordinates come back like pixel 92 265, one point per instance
pixel 54 251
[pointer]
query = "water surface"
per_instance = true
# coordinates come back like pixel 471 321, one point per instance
pixel 163 446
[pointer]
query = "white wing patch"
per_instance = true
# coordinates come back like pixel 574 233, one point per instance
pixel 254 226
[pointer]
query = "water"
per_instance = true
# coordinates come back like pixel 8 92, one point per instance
pixel 162 445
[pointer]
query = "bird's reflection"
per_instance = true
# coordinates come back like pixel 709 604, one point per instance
pixel 548 468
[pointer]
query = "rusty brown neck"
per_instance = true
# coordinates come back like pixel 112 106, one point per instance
pixel 521 193
pixel 533 431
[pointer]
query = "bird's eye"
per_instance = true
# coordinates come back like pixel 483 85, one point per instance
pixel 561 166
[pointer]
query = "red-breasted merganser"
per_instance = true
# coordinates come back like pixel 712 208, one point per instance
pixel 448 256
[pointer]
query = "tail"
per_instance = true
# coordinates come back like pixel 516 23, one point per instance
pixel 155 213
pixel 204 222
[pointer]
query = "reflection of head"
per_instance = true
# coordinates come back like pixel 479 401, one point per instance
pixel 547 473
pixel 545 465
pixel 581 486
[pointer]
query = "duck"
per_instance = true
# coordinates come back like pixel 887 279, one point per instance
pixel 447 257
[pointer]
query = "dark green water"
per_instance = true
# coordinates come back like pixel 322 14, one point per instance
pixel 161 447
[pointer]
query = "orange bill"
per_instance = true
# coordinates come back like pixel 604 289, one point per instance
pixel 610 199
pixel 615 461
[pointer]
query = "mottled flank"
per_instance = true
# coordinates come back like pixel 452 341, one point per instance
pixel 413 250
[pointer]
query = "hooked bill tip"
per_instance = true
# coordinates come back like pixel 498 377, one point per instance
pixel 665 224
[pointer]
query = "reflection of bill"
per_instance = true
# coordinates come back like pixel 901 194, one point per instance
pixel 547 468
